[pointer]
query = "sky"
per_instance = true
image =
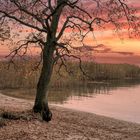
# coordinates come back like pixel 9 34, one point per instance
pixel 112 48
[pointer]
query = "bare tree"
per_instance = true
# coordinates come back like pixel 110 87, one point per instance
pixel 57 26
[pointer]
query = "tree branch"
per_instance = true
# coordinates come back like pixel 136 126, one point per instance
pixel 22 22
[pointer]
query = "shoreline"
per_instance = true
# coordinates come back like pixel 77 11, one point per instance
pixel 67 124
pixel 67 108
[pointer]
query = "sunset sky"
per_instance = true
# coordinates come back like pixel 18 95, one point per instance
pixel 112 47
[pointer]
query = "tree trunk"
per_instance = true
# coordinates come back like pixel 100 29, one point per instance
pixel 41 101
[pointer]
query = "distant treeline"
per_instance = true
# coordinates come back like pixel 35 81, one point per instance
pixel 23 74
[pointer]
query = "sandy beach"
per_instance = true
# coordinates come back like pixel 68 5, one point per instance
pixel 66 124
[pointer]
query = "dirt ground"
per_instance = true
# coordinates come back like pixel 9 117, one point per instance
pixel 66 124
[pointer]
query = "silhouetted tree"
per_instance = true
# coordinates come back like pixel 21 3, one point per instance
pixel 56 26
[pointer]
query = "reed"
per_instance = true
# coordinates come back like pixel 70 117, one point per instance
pixel 24 75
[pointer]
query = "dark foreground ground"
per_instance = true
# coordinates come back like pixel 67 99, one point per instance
pixel 65 125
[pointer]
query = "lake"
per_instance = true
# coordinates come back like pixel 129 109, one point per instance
pixel 120 100
pixel 117 100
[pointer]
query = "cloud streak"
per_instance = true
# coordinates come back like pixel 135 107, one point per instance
pixel 101 48
pixel 104 49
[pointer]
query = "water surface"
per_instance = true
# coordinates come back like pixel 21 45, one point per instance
pixel 119 100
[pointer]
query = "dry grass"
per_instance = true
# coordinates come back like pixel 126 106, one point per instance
pixel 25 77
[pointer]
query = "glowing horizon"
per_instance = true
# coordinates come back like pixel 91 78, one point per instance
pixel 116 46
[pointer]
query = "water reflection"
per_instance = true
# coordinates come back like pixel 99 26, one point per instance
pixel 117 100
pixel 122 101
pixel 63 94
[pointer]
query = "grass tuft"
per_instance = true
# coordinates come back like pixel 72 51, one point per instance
pixel 2 122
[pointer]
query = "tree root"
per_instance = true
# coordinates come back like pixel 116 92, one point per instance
pixel 44 111
pixel 27 115
pixel 24 115
pixel 10 116
pixel 46 115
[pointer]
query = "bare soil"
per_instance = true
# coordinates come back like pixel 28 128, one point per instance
pixel 66 124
